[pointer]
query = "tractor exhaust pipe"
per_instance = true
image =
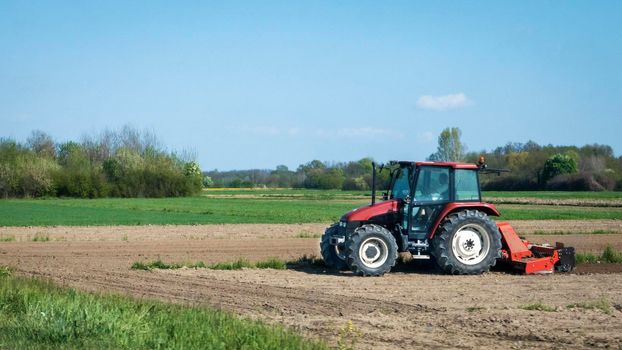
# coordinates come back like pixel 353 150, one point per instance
pixel 373 183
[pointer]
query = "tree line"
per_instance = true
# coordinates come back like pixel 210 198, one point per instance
pixel 531 167
pixel 131 163
pixel 115 163
pixel 558 168
pixel 539 167
pixel 354 175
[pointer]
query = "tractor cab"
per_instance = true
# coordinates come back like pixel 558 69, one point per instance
pixel 425 188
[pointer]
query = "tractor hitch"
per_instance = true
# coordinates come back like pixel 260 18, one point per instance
pixel 337 240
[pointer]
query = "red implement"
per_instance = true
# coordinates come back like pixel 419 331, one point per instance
pixel 531 258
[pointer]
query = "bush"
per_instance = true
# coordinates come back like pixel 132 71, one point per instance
pixel 581 182
pixel 330 180
pixel 124 163
pixel 82 183
pixel 510 183
pixel 35 176
pixel 355 184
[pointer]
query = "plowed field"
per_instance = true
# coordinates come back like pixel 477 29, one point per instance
pixel 412 308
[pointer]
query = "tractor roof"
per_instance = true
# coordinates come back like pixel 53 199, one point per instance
pixel 454 165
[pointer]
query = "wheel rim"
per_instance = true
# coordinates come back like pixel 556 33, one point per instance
pixel 471 244
pixel 373 252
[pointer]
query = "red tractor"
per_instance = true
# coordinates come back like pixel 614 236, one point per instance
pixel 434 210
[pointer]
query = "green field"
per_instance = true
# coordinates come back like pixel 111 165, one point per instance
pixel 258 206
pixel 192 210
pixel 338 194
pixel 39 315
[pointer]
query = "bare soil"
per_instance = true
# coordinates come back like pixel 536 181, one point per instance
pixel 414 307
pixel 607 203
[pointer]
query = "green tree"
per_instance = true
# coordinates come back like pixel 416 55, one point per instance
pixel 450 148
pixel 558 164
pixel 193 177
pixel 281 177
pixel 312 172
pixel 35 175
pixel 76 177
pixel 331 179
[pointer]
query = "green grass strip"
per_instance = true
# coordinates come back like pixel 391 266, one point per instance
pixel 538 307
pixel 5 271
pixel 39 315
pixel 40 237
pixel 270 263
pixel 236 265
pixel 603 304
pixel 609 255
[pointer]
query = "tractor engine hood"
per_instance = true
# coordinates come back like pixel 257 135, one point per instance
pixel 369 211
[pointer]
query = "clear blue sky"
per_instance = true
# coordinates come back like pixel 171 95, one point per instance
pixel 261 83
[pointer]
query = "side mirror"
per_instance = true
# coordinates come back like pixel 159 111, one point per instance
pixel 385 196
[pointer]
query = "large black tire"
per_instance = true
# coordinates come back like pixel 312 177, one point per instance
pixel 466 243
pixel 333 256
pixel 371 251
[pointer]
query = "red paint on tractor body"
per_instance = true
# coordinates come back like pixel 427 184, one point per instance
pixel 366 213
pixel 516 247
pixel 525 257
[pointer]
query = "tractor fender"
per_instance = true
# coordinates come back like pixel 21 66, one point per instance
pixel 489 209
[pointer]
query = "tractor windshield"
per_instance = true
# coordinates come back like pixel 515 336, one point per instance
pixel 401 183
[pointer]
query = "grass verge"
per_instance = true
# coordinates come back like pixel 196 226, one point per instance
pixel 271 263
pixel 609 255
pixel 5 271
pixel 40 237
pixel 602 304
pixel 308 234
pixel 538 307
pixel 38 314
pixel 7 238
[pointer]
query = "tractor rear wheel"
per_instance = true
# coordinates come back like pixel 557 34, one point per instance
pixel 371 251
pixel 466 243
pixel 334 256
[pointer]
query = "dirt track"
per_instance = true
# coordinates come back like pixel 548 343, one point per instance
pixel 412 308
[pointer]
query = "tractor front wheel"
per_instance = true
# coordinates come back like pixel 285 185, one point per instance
pixel 371 251
pixel 466 243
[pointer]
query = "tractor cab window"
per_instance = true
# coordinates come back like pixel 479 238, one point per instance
pixel 431 195
pixel 432 184
pixel 401 184
pixel 467 185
